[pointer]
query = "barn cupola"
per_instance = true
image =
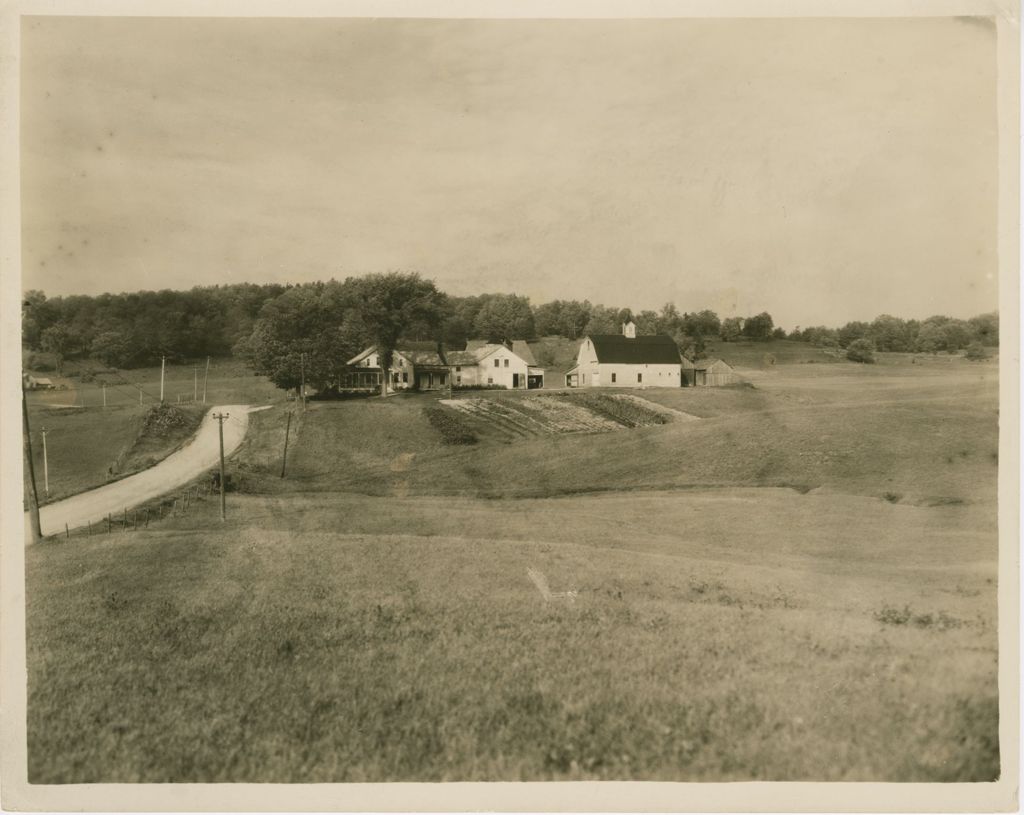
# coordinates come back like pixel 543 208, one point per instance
pixel 629 329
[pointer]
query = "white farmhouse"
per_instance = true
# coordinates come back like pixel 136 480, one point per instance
pixel 626 361
pixel 496 364
pixel 414 365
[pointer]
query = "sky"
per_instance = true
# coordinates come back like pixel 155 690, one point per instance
pixel 824 170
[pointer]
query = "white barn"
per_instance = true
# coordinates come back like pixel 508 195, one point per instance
pixel 626 361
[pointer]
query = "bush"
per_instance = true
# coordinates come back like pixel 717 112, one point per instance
pixel 861 351
pixel 976 351
pixel 479 387
pixel 450 425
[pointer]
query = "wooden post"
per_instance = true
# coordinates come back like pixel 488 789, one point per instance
pixel 90 528
pixel 147 517
pixel 287 429
pixel 206 378
pixel 124 527
pixel 108 523
pixel 163 364
pixel 33 507
pixel 67 532
pixel 135 521
pixel 220 417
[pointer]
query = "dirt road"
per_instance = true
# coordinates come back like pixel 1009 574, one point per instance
pixel 200 454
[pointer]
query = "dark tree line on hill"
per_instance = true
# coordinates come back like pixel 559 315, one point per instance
pixel 136 329
pixel 273 325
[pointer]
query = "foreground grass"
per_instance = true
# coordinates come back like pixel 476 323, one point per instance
pixel 325 638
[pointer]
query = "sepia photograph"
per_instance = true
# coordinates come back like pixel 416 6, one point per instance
pixel 482 399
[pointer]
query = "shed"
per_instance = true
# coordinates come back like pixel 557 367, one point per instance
pixel 712 373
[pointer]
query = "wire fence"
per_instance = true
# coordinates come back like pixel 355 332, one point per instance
pixel 134 519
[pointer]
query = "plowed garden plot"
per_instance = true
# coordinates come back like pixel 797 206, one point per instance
pixel 509 418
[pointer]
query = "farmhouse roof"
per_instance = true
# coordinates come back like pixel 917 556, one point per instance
pixel 655 349
pixel 522 349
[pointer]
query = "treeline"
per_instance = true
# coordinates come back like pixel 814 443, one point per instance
pixel 888 333
pixel 136 329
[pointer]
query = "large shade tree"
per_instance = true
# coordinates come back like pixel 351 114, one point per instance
pixel 306 333
pixel 386 307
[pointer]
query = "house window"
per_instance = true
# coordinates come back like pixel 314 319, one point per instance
pixel 639 377
pixel 395 375
pixel 506 363
pixel 458 380
pixel 401 362
pixel 497 363
pixel 613 378
pixel 458 368
pixel 490 380
pixel 405 376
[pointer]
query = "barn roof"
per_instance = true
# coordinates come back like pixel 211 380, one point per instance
pixel 655 349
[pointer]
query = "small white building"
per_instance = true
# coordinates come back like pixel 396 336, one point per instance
pixel 626 361
pixel 495 364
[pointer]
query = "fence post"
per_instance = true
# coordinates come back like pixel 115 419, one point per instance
pixel 135 521
pixel 90 528
pixel 124 525
pixel 108 523
pixel 67 532
pixel 147 517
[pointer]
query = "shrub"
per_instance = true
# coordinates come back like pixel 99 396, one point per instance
pixel 479 387
pixel 861 351
pixel 976 351
pixel 450 425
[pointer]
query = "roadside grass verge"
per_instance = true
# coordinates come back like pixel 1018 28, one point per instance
pixel 89 447
pixel 289 646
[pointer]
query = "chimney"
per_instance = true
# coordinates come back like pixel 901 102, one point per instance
pixel 629 329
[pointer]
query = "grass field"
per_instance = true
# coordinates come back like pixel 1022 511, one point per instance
pixel 799 584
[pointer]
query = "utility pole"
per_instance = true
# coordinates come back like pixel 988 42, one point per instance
pixel 220 417
pixel 163 364
pixel 104 394
pixel 206 378
pixel 33 509
pixel 46 467
pixel 140 395
pixel 302 390
pixel 195 385
pixel 287 428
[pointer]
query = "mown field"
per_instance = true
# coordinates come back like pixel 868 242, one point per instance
pixel 798 584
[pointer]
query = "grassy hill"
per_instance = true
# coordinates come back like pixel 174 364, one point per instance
pixel 797 584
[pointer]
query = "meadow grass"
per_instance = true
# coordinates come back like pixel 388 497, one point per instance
pixel 799 586
pixel 334 638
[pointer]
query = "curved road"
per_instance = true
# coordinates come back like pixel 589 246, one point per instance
pixel 199 455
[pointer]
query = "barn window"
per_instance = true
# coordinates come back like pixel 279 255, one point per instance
pixel 506 363
pixel 613 378
pixel 639 377
pixel 490 380
pixel 458 380
pixel 497 363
